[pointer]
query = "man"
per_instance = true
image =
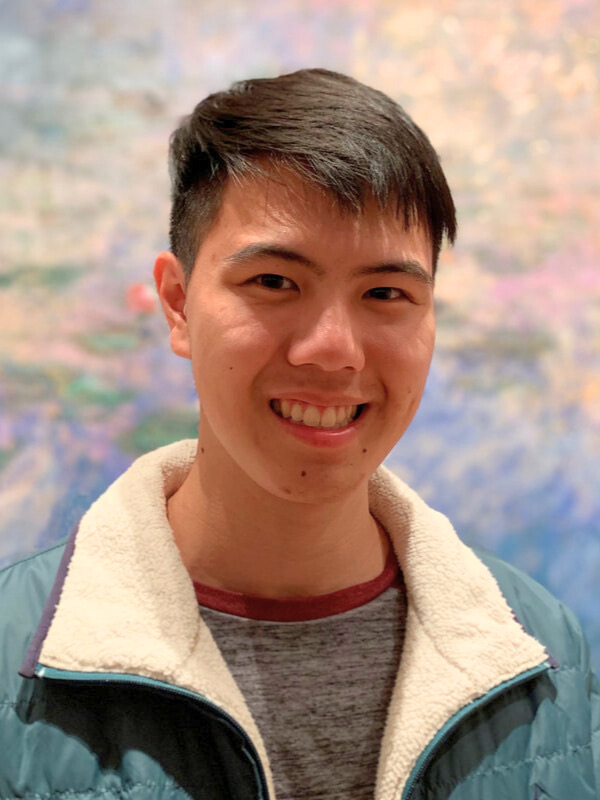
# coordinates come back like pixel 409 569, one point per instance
pixel 267 612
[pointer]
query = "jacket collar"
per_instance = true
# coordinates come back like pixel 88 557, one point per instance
pixel 127 605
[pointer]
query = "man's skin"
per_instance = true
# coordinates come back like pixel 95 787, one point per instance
pixel 271 507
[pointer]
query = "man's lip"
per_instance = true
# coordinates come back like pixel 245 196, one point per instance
pixel 324 437
pixel 319 401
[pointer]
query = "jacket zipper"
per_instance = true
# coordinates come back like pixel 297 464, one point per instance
pixel 426 756
pixel 42 671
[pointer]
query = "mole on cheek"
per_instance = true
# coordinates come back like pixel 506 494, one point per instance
pixel 303 473
pixel 364 449
pixel 201 449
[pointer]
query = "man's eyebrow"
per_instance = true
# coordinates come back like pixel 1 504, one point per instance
pixel 407 266
pixel 274 251
pixel 254 250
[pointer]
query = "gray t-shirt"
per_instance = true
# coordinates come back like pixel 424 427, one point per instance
pixel 319 688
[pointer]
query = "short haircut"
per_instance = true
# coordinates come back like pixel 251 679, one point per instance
pixel 347 138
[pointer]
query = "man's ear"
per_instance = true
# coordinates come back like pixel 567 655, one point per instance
pixel 170 285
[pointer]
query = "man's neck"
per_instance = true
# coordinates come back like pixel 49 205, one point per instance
pixel 240 538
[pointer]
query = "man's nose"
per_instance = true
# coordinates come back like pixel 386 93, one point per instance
pixel 330 340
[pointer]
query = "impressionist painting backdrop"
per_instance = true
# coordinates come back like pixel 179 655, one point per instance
pixel 507 441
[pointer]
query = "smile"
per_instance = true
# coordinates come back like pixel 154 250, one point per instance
pixel 329 418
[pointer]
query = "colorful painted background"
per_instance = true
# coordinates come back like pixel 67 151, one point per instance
pixel 507 441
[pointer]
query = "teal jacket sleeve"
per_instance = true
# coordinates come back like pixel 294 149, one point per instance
pixel 595 702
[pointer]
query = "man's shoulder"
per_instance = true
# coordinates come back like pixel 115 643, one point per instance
pixel 24 590
pixel 541 614
pixel 31 574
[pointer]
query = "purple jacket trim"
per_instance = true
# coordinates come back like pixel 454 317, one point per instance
pixel 553 662
pixel 35 646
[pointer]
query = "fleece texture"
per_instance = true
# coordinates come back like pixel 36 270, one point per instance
pixel 128 606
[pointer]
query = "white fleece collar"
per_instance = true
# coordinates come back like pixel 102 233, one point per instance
pixel 128 606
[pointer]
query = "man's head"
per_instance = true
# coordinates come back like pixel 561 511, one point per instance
pixel 346 138
pixel 308 212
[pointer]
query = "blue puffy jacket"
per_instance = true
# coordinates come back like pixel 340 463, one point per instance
pixel 122 692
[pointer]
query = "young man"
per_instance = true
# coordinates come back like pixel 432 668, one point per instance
pixel 267 612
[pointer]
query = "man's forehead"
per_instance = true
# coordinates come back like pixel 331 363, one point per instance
pixel 280 195
pixel 273 191
pixel 281 216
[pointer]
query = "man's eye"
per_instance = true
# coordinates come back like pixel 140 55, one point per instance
pixel 387 293
pixel 272 281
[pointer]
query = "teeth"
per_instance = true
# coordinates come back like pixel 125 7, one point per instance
pixel 332 417
pixel 329 418
pixel 312 417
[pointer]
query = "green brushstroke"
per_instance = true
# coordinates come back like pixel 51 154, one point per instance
pixel 55 277
pixel 31 383
pixel 160 429
pixel 6 455
pixel 28 384
pixel 88 390
pixel 108 341
pixel 506 344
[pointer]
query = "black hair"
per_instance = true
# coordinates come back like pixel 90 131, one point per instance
pixel 347 138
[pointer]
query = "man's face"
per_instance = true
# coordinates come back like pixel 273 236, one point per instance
pixel 310 334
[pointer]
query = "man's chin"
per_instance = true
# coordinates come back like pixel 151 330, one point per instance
pixel 320 485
